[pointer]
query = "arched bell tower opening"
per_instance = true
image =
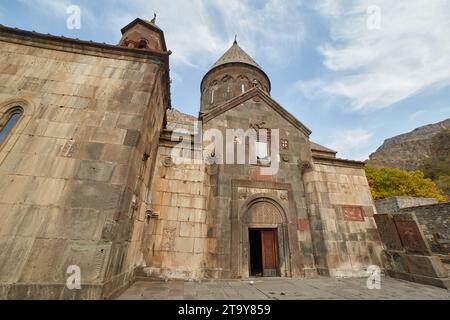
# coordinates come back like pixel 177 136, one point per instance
pixel 264 238
pixel 143 35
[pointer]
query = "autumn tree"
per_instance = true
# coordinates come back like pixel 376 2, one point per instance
pixel 437 166
pixel 388 182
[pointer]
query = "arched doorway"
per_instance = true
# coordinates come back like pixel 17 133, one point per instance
pixel 264 240
pixel 263 253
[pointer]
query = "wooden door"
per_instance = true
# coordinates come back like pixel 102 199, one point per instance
pixel 269 253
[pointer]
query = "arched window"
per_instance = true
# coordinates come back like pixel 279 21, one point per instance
pixel 143 44
pixel 212 96
pixel 226 94
pixel 9 120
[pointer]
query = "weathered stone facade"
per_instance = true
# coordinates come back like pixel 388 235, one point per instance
pixel 205 212
pixel 434 221
pixel 432 217
pixel 88 175
pixel 397 204
pixel 72 176
pixel 416 240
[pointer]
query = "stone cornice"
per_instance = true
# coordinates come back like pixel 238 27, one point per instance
pixel 47 41
pixel 338 162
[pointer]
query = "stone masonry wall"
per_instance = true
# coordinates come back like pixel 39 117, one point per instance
pixel 233 187
pixel 178 241
pixel 345 245
pixel 69 169
pixel 395 204
pixel 434 221
pixel 227 82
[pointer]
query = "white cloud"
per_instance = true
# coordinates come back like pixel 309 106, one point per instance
pixel 273 31
pixel 309 88
pixel 57 8
pixel 350 143
pixel 328 7
pixel 418 114
pixel 200 31
pixel 176 77
pixel 186 25
pixel 49 6
pixel 377 68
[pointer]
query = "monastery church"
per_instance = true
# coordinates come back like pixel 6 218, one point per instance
pixel 88 177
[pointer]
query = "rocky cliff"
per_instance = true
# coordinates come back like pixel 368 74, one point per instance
pixel 408 151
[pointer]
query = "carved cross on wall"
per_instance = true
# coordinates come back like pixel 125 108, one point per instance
pixel 258 126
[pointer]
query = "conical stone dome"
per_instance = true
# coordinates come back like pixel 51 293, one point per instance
pixel 232 75
pixel 235 55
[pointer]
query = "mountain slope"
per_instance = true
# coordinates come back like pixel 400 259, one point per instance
pixel 410 150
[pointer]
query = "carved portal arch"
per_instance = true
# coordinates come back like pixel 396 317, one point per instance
pixel 265 212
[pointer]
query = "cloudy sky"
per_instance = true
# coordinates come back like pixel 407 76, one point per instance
pixel 354 72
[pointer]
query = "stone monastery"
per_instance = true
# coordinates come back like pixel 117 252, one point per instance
pixel 88 177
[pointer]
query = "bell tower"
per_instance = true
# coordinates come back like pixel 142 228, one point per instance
pixel 232 75
pixel 143 34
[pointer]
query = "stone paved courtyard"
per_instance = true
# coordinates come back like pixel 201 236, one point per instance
pixel 283 289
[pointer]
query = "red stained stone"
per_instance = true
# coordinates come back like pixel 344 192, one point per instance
pixel 255 175
pixel 411 237
pixel 303 225
pixel 353 213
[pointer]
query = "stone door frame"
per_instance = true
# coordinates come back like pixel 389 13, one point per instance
pixel 240 261
pixel 283 259
pixel 291 262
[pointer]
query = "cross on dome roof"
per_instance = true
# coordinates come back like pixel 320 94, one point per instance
pixel 236 55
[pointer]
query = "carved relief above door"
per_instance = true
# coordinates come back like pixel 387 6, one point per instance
pixel 263 213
